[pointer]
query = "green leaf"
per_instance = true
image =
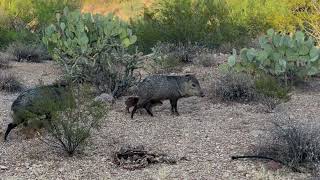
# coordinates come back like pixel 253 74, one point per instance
pixel 313 71
pixel 126 42
pixel 133 39
pixel 299 36
pixel 270 32
pixel 243 54
pixel 276 40
pixel 62 26
pixel 58 17
pixel 251 54
pixel 268 48
pixel 314 52
pixel 304 50
pixel 232 60
pixel 262 56
pixel 263 40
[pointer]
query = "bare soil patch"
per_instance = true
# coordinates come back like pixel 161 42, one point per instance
pixel 205 133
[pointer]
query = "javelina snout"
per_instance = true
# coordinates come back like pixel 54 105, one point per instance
pixel 192 86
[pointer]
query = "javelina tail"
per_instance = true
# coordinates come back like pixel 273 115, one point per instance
pixel 9 128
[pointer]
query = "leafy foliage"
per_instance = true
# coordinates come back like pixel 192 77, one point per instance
pixel 281 55
pixel 93 48
pixel 181 21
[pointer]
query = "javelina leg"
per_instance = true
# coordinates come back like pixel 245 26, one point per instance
pixel 175 106
pixel 147 107
pixel 134 111
pixel 9 128
pixel 174 109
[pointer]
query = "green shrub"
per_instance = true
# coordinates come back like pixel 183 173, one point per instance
pixel 93 48
pixel 7 36
pixel 206 22
pixel 269 86
pixel 35 13
pixel 283 56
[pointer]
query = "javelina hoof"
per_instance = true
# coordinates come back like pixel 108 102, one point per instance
pixel 175 114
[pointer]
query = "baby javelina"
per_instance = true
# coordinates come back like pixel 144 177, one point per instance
pixel 162 87
pixel 133 100
pixel 37 102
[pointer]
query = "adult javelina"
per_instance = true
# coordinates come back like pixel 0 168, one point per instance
pixel 37 102
pixel 161 87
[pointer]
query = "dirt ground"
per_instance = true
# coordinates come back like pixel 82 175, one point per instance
pixel 204 136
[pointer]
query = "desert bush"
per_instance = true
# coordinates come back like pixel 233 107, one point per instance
pixel 206 22
pixel 286 57
pixel 35 13
pixel 312 20
pixel 270 87
pixel 69 129
pixel 9 83
pixel 233 86
pixel 93 48
pixel 27 52
pixel 291 143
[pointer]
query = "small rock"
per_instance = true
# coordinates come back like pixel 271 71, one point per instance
pixel 187 70
pixel 3 167
pixel 104 97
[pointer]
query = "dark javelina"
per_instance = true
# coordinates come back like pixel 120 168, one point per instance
pixel 38 102
pixel 132 101
pixel 162 87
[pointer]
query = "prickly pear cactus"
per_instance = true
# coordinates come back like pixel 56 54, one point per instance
pixel 90 45
pixel 282 55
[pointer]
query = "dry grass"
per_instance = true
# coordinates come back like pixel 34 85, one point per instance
pixel 9 83
pixel 124 9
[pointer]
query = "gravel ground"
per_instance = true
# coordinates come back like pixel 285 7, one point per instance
pixel 205 134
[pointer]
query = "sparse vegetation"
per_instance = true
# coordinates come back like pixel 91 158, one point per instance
pixel 293 144
pixel 26 52
pixel 4 61
pixel 100 57
pixel 269 86
pixel 234 86
pixel 9 83
pixel 69 129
